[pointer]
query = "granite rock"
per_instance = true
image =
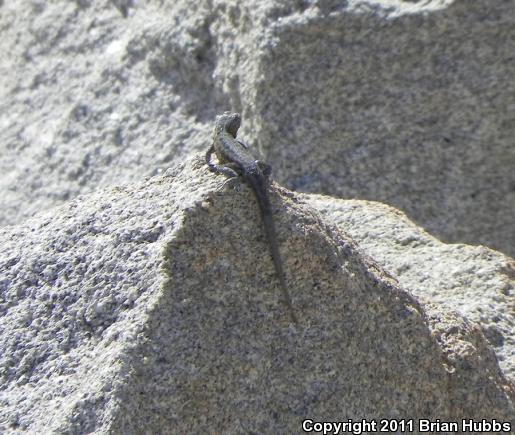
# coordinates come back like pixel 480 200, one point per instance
pixel 406 102
pixel 476 281
pixel 154 308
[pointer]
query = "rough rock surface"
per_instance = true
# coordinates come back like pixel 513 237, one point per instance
pixel 406 102
pixel 473 280
pixel 154 308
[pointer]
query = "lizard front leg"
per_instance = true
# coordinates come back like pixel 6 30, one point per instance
pixel 230 170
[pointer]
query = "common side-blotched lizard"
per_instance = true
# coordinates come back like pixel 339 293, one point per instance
pixel 236 160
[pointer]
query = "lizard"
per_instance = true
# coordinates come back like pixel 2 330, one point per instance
pixel 236 160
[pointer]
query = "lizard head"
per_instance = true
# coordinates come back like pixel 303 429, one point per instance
pixel 229 122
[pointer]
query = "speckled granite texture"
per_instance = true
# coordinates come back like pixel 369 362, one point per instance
pixel 154 308
pixel 473 280
pixel 405 102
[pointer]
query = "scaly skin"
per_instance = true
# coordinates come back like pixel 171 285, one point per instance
pixel 236 160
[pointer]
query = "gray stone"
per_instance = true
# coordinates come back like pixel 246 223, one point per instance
pixel 406 102
pixel 473 280
pixel 89 98
pixel 154 308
